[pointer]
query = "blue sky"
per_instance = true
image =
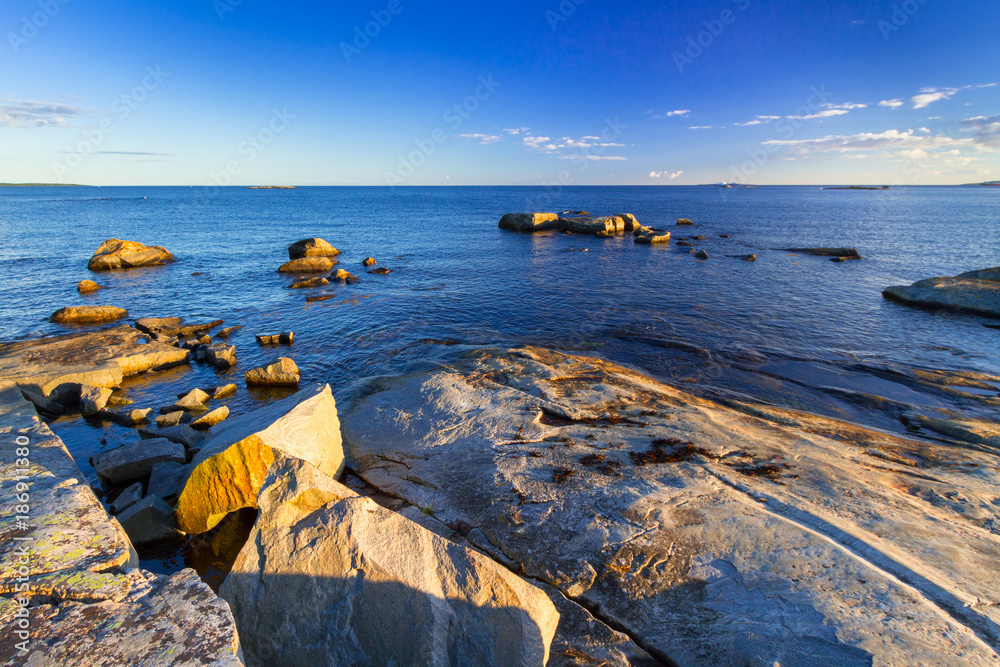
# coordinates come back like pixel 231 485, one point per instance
pixel 196 92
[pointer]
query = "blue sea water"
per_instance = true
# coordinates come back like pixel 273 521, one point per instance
pixel 775 330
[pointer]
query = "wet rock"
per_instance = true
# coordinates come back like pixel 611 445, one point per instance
pixel 631 224
pixel 134 462
pixel 570 222
pixel 176 327
pixel 228 471
pixel 311 248
pixel 320 552
pixel 116 254
pixel 711 535
pixel 165 481
pixel 604 235
pixel 88 314
pixel 194 401
pixel 286 338
pixel 173 418
pixel 221 355
pixel 344 276
pixel 182 434
pixel 530 222
pixel 701 254
pixel 973 292
pixel 127 418
pixel 93 399
pixel 150 521
pixel 745 258
pixel 88 287
pixel 228 332
pixel 685 244
pixel 684 222
pixel 381 271
pixel 975 431
pixel 368 261
pixel 213 418
pixel 309 283
pixel 640 230
pixel 725 236
pixel 128 497
pixel 653 238
pixel 282 373
pixel 159 620
pixel 307 265
pixel 225 391
pixel 842 253
pixel 44 405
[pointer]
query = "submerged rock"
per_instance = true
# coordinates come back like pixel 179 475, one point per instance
pixel 150 521
pixel 313 247
pixel 116 254
pixel 307 265
pixel 134 462
pixel 973 292
pixel 228 471
pixel 340 275
pixel 842 254
pixel 88 314
pixel 381 271
pixel 282 373
pixel 713 535
pixel 653 238
pixel 127 418
pixel 322 557
pixel 701 254
pixel 228 332
pixel 309 283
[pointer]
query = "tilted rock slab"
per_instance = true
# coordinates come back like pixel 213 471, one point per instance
pixel 974 292
pixel 56 367
pixel 774 536
pixel 88 314
pixel 117 254
pixel 330 578
pixel 227 473
pixel 74 569
pixel 577 224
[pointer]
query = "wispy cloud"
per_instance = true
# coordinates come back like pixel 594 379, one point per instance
pixel 929 96
pixel 665 174
pixel 583 144
pixel 671 114
pixel 892 104
pixel 133 153
pixel 701 127
pixel 593 158
pixel 27 113
pixel 826 111
pixel 987 130
pixel 891 143
pixel 482 138
pixel 514 131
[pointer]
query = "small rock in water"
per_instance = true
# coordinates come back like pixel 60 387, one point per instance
pixel 221 355
pixel 130 418
pixel 286 338
pixel 228 331
pixel 309 283
pixel 653 238
pixel 211 419
pixel 684 221
pixel 87 314
pixel 370 261
pixel 725 236
pixel 313 247
pixel 282 373
pixel 194 401
pixel 226 391
pixel 344 276
pixel 307 265
pixel 701 254
pixel 685 244
pixel 88 286
pixel 116 254
pixel 93 399
pixel 182 435
pixel 381 271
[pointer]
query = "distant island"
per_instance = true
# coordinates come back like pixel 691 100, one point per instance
pixel 42 185
pixel 860 187
pixel 271 187
pixel 994 183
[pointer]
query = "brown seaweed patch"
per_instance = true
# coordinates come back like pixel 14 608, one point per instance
pixel 602 463
pixel 561 475
pixel 667 450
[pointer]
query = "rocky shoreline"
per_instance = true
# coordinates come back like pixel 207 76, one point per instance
pixel 509 506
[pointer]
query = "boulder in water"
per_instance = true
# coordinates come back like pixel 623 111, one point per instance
pixel 117 254
pixel 973 292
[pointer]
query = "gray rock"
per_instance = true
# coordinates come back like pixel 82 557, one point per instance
pixel 165 480
pixel 44 405
pixel 93 399
pixel 127 418
pixel 973 292
pixel 221 355
pixel 701 254
pixel 363 569
pixel 181 434
pixel 150 521
pixel 134 462
pixel 175 418
pixel 128 497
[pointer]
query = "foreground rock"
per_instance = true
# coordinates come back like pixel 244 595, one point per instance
pixel 93 399
pixel 57 367
pixel 116 254
pixel 709 534
pixel 973 292
pixel 311 248
pixel 228 471
pixel 130 463
pixel 360 584
pixel 88 314
pixel 282 373
pixel 87 603
pixel 571 221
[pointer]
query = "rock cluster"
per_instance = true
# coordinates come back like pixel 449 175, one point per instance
pixel 117 254
pixel 571 222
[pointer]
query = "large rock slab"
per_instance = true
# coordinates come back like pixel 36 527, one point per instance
pixel 709 534
pixel 117 254
pixel 974 292
pixel 359 584
pixel 56 367
pixel 163 620
pixel 227 473
pixel 570 221
pixel 175 326
pixel 134 462
pixel 530 222
pixel 88 314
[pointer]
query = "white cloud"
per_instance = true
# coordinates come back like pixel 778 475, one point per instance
pixel 892 104
pixel 891 143
pixel 26 113
pixel 594 158
pixel 929 96
pixel 538 143
pixel 828 111
pixel 701 127
pixel 987 130
pixel 482 138
pixel 661 174
pixel 514 131
pixel 671 114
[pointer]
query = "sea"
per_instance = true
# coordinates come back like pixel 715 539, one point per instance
pixel 788 329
